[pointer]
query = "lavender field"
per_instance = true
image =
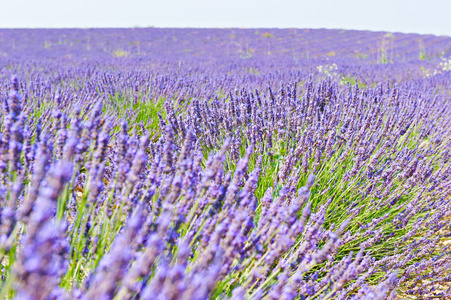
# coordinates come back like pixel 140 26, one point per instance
pixel 224 164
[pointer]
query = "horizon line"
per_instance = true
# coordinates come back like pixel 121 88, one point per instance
pixel 229 28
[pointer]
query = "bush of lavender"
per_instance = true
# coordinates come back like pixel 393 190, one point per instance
pixel 224 164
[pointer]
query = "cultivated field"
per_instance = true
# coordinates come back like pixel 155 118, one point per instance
pixel 224 164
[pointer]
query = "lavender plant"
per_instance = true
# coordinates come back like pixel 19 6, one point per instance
pixel 136 184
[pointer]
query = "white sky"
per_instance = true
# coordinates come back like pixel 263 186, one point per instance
pixel 409 16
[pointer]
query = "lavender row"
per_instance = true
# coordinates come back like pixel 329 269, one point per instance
pixel 313 190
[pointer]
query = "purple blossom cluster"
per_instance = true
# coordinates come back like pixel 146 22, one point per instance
pixel 125 180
